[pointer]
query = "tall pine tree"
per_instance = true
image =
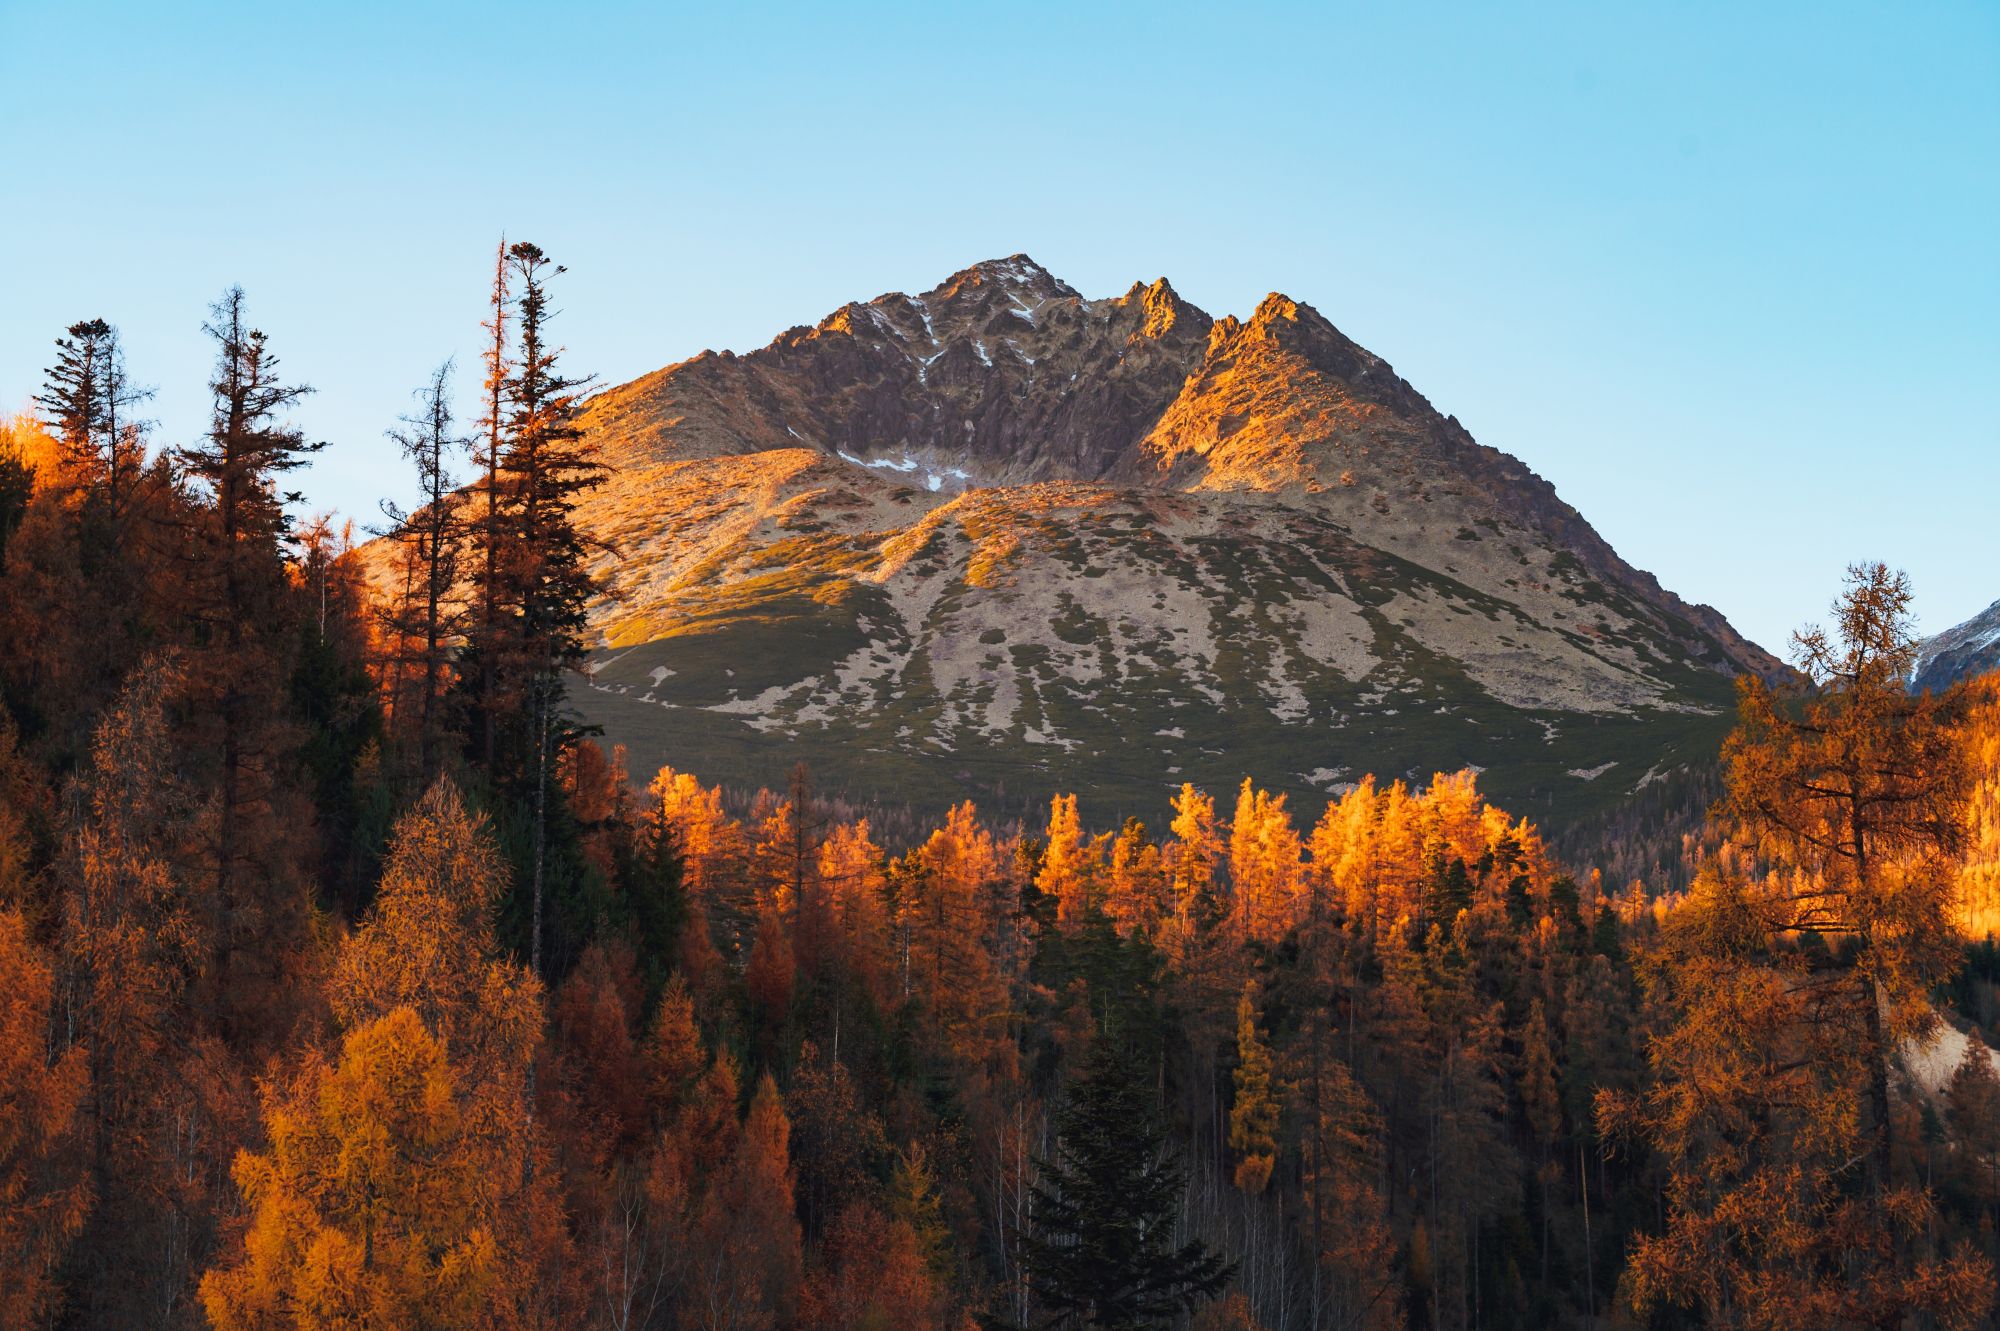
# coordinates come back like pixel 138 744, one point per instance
pixel 84 401
pixel 532 635
pixel 239 598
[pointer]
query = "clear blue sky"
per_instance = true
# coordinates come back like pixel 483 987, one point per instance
pixel 1726 274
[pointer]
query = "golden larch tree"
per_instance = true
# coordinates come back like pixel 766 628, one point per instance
pixel 44 1193
pixel 750 1262
pixel 1265 873
pixel 403 1183
pixel 1072 869
pixel 1253 1119
pixel 1790 994
pixel 375 1203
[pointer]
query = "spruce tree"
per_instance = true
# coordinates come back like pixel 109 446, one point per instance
pixel 1100 1250
pixel 541 581
pixel 83 400
pixel 239 595
pixel 73 399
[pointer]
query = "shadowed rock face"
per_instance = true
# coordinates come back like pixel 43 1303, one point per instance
pixel 1972 648
pixel 998 537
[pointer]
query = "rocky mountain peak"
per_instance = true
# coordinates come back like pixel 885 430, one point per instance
pixel 1016 275
pixel 1164 309
pixel 1004 375
pixel 956 534
pixel 1300 328
pixel 1275 308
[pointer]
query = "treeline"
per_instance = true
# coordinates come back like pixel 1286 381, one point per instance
pixel 345 981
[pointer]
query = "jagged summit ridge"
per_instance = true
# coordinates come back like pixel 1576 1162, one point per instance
pixel 1002 368
pixel 1008 370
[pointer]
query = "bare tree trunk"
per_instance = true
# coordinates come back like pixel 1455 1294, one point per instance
pixel 541 822
pixel 1589 1266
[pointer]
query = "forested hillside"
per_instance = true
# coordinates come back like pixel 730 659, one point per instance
pixel 346 980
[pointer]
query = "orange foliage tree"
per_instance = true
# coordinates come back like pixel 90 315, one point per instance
pixel 1072 871
pixel 1791 994
pixel 375 1203
pixel 941 927
pixel 1265 874
pixel 44 1194
pixel 1979 872
pixel 1253 1120
pixel 748 1244
pixel 400 1186
pixel 873 1277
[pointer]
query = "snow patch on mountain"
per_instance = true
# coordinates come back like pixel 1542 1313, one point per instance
pixel 935 477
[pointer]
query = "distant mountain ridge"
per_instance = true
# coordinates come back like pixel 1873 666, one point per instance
pixel 1969 649
pixel 997 536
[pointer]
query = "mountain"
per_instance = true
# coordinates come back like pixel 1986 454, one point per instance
pixel 999 538
pixel 1973 648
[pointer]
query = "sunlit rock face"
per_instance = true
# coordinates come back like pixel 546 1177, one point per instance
pixel 997 538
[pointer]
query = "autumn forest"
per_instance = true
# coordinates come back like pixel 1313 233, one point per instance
pixel 348 978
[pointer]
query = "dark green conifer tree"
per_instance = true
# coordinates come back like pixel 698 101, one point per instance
pixel 85 400
pixel 541 582
pixel 243 621
pixel 73 399
pixel 1100 1250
